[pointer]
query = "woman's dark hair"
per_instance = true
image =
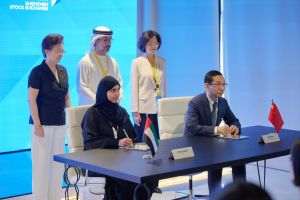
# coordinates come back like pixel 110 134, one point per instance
pixel 242 190
pixel 111 111
pixel 146 36
pixel 106 83
pixel 295 157
pixel 51 40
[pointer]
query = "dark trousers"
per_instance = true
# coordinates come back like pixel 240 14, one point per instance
pixel 117 189
pixel 215 177
pixel 139 130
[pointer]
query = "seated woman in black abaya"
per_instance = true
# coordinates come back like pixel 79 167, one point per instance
pixel 107 125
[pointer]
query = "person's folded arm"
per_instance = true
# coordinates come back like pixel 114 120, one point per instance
pixel 231 119
pixel 93 141
pixel 92 138
pixel 129 127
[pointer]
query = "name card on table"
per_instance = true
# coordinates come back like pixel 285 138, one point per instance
pixel 269 138
pixel 181 153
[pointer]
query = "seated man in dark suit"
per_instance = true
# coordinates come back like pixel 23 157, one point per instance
pixel 203 118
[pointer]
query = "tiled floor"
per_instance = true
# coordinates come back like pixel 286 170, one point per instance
pixel 278 182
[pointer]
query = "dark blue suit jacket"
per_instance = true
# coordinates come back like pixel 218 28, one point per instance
pixel 198 116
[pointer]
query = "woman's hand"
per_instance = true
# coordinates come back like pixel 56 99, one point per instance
pixel 125 142
pixel 137 118
pixel 39 130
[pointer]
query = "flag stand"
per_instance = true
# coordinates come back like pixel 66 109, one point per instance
pixel 270 138
pixel 147 156
pixel 277 122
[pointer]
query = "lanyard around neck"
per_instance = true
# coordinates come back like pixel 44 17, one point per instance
pixel 103 69
pixel 156 77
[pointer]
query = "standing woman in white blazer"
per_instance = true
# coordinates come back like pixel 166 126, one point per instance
pixel 148 82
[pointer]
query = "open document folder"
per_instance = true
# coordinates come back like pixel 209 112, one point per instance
pixel 139 146
pixel 233 137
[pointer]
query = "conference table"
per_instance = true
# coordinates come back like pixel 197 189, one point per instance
pixel 210 153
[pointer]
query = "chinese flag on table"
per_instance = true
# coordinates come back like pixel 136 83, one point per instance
pixel 151 136
pixel 275 117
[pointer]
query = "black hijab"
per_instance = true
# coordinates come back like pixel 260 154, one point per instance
pixel 111 111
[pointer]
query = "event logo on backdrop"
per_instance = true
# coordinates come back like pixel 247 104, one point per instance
pixel 38 5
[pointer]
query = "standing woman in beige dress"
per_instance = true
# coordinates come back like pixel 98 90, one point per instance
pixel 148 82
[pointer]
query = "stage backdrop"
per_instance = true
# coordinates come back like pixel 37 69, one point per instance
pixel 23 26
pixel 189 31
pixel 261 47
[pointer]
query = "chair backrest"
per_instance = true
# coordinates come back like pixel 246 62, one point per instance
pixel 171 112
pixel 74 117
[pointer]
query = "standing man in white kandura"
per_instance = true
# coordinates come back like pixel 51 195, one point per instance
pixel 95 65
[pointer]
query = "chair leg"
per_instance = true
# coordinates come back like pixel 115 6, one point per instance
pixel 89 188
pixel 85 177
pixel 191 195
pixel 191 186
pixel 69 183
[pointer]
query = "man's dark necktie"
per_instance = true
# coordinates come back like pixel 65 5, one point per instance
pixel 214 114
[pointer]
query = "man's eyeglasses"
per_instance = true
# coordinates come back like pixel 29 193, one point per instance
pixel 218 84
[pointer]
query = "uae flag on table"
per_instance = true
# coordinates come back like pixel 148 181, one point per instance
pixel 151 136
pixel 275 117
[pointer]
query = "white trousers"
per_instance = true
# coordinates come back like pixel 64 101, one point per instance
pixel 46 173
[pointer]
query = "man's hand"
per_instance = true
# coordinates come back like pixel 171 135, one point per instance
pixel 223 130
pixel 234 130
